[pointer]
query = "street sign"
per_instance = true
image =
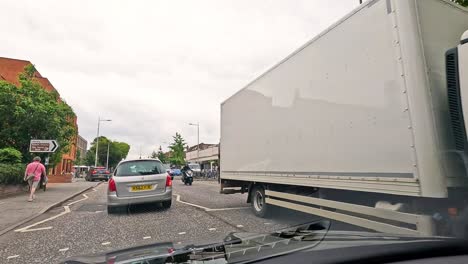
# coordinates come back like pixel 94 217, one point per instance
pixel 41 145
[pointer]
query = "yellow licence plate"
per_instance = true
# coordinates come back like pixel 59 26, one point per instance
pixel 139 188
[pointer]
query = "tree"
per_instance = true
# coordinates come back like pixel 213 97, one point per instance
pixel 10 155
pixel 177 149
pixel 117 152
pixel 30 112
pixel 461 2
pixel 161 155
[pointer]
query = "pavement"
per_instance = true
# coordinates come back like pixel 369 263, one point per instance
pixel 199 215
pixel 16 210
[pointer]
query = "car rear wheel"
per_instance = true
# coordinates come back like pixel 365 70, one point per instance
pixel 167 204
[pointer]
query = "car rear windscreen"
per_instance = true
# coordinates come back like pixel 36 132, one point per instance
pixel 140 167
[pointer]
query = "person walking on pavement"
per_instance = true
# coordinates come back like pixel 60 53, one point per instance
pixel 32 175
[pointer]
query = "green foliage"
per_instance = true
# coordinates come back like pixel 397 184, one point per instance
pixel 30 112
pixel 461 2
pixel 12 173
pixel 159 155
pixel 10 155
pixel 78 158
pixel 177 148
pixel 117 152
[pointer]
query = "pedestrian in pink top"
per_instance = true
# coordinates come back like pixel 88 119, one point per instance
pixel 37 169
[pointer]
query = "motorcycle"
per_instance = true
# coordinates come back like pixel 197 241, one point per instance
pixel 187 178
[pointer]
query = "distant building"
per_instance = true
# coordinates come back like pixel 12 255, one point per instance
pixel 208 157
pixel 9 72
pixel 81 146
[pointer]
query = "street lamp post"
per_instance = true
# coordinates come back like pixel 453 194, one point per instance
pixel 107 162
pixel 97 138
pixel 198 140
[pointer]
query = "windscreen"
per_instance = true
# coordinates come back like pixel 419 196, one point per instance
pixel 137 168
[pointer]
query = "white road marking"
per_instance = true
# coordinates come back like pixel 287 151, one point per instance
pixel 240 226
pixel 182 233
pixel 67 210
pixel 12 257
pixel 226 209
pixel 36 229
pixel 24 229
pixel 212 229
pixel 64 249
pixel 99 212
pixel 105 243
pixel 267 223
pixel 191 204
pixel 77 201
pixel 206 208
pixel 147 237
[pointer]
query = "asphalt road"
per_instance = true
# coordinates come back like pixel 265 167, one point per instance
pixel 199 214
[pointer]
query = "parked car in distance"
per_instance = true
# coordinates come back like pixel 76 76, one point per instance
pixel 195 167
pixel 98 173
pixel 175 172
pixel 139 181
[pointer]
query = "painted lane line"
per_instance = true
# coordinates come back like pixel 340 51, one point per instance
pixel 82 199
pixel 182 233
pixel 67 210
pixel 63 249
pixel 105 243
pixel 36 229
pixel 99 212
pixel 227 209
pixel 12 257
pixel 77 201
pixel 191 204
pixel 147 237
pixel 240 226
pixel 212 229
pixel 267 223
pixel 206 208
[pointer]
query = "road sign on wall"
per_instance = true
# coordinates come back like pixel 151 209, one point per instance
pixel 41 145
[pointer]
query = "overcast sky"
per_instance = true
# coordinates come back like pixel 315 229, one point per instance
pixel 154 66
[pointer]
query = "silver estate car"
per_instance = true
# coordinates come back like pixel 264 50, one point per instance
pixel 137 182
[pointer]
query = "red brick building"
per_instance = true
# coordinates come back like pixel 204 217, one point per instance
pixel 9 71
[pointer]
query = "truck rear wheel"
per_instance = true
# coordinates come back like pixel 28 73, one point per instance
pixel 259 206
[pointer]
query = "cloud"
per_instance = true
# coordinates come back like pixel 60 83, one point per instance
pixel 154 66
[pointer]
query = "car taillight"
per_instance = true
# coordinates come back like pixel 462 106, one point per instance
pixel 93 172
pixel 112 187
pixel 107 172
pixel 168 181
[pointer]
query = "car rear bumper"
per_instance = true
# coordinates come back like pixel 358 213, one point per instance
pixel 114 200
pixel 99 177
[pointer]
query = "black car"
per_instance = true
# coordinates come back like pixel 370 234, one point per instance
pixel 98 173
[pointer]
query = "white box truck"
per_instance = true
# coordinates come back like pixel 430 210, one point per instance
pixel 362 124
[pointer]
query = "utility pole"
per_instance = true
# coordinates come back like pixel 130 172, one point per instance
pixel 198 140
pixel 107 162
pixel 97 139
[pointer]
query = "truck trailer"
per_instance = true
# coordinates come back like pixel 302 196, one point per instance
pixel 363 124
